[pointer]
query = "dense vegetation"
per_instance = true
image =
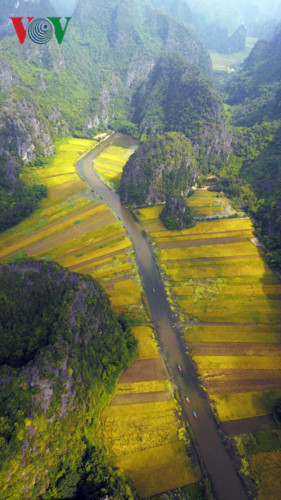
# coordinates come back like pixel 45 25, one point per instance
pixel 84 85
pixel 164 165
pixel 255 91
pixel 252 176
pixel 63 350
pixel 178 98
pixel 176 214
pixel 121 47
pixel 18 204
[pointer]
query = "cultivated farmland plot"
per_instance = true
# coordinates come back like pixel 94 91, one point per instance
pixel 110 163
pixel 230 308
pixel 140 427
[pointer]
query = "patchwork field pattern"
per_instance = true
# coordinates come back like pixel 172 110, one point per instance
pixel 77 233
pixel 140 427
pixel 110 163
pixel 229 305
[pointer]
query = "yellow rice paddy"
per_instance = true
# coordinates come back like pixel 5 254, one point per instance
pixel 85 236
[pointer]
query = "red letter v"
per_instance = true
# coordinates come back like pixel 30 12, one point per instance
pixel 19 27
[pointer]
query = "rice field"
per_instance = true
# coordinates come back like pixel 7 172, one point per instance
pixel 83 235
pixel 208 204
pixel 229 305
pixel 144 434
pixel 140 426
pixel 110 163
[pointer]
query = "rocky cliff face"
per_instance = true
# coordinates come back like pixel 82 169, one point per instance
pixel 177 97
pixel 109 48
pixel 23 131
pixel 176 214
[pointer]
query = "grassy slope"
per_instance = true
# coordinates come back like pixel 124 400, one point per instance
pixel 84 235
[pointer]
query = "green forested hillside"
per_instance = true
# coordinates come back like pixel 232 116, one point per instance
pixel 256 90
pixel 178 98
pixel 108 48
pixel 253 174
pixel 163 165
pixel 62 351
pixel 82 85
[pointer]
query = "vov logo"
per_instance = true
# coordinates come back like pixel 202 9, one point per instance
pixel 40 30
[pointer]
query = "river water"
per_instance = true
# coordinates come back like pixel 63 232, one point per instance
pixel 225 482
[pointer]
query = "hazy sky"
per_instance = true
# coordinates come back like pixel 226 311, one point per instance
pixel 267 8
pixel 64 7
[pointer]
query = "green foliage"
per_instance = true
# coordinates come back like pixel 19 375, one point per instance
pixel 178 98
pixel 125 127
pixel 19 203
pixel 64 350
pixel 176 214
pixel 255 90
pixel 99 480
pixel 110 38
pixel 162 166
pixel 252 180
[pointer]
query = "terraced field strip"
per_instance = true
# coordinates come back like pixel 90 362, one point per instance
pixel 219 279
pixel 86 237
pixel 110 163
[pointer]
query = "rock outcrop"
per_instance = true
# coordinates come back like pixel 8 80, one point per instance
pixel 62 348
pixel 162 166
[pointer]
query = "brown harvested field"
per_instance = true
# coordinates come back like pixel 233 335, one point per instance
pixel 144 370
pixel 202 242
pixel 108 284
pixel 140 398
pixel 209 261
pixel 233 381
pixel 234 349
pixel 246 425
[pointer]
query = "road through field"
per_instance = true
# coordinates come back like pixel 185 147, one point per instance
pixel 224 480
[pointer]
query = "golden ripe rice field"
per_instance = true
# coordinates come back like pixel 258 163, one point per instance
pixel 230 311
pixel 85 236
pixel 110 163
pixel 234 300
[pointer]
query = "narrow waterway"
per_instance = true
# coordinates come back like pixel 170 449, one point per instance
pixel 224 479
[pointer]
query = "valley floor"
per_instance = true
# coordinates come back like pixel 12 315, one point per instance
pixel 141 427
pixel 228 306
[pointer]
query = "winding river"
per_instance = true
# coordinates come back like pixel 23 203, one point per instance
pixel 223 477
